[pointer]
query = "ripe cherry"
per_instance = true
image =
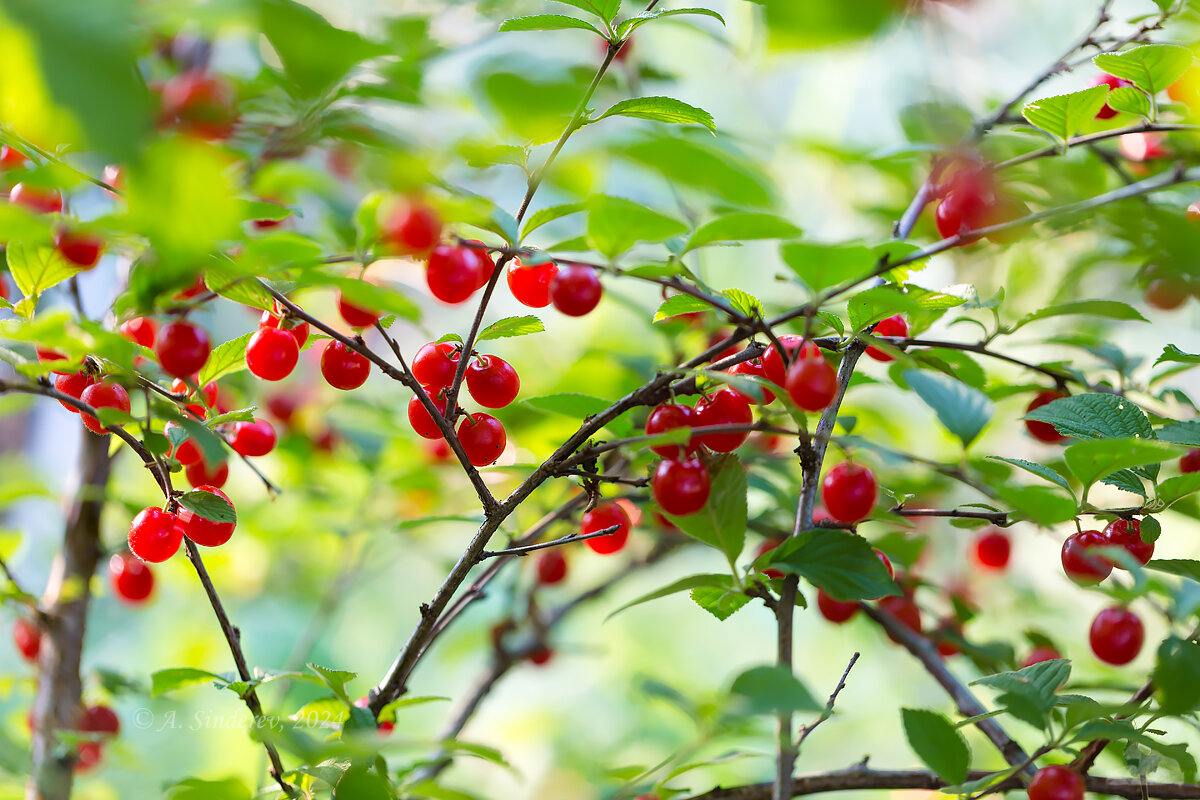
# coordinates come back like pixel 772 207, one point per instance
pixel 773 361
pixel 836 611
pixel 1043 431
pixel 1056 782
pixel 256 438
pixel 575 290
pixel 722 407
pixel 606 515
pixel 541 655
pixel 903 609
pixel 155 535
pixel 488 267
pixel 197 288
pixel 198 474
pixel 848 492
pixel 130 577
pixel 272 354
pixel 100 719
pixel 1116 635
pixel 1039 654
pixel 482 438
pixel 182 348
pixel 1190 461
pixel 681 487
pixel 1112 82
pixel 105 394
pixel 1079 563
pixel 297 327
pixel 47 356
pixel 27 636
pixel 436 363
pixel 992 549
pixel 551 566
pixel 186 452
pixel 666 417
pixel 200 104
pixel 73 384
pixel 11 158
pixel 892 326
pixel 492 381
pixel 140 330
pixel 36 199
pixel 961 211
pixel 453 272
pixel 202 530
pixel 356 316
pixel 420 418
pixel 208 394
pixel 811 382
pixel 283 407
pixel 1127 533
pixel 1143 146
pixel 81 249
pixel 1166 294
pixel 753 367
pixel 411 227
pixel 530 284
pixel 342 367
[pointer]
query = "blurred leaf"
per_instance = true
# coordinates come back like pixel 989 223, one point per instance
pixel 962 410
pixel 315 54
pixel 633 23
pixel 1178 664
pixel 510 327
pixel 1040 504
pixel 1063 115
pixel 941 123
pixel 802 25
pixel 1040 470
pixel 820 266
pixel 1174 489
pixel 660 109
pixel 168 680
pixel 1108 309
pixel 937 743
pixel 615 224
pixel 880 302
pixel 1183 567
pixel 547 22
pixel 842 563
pixel 770 689
pixel 699 162
pixel 570 404
pixel 208 505
pixel 1092 460
pixel 1153 67
pixel 739 227
pixel 197 789
pixel 722 521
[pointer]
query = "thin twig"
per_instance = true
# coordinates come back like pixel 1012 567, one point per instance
pixel 532 548
pixel 807 729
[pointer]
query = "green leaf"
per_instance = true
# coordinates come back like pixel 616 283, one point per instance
pixel 1186 432
pixel 660 109
pixel 1092 460
pixel 1171 353
pixel 678 304
pixel 1152 67
pixel 842 563
pixel 1130 100
pixel 722 521
pixel 1183 567
pixel 937 743
pixel 601 8
pixel 1041 504
pixel 208 505
pixel 168 680
pixel 633 23
pixel 1095 416
pixel 740 227
pixel 874 304
pixel 743 302
pixel 962 410
pixel 227 280
pixel 36 269
pixel 721 603
pixel 225 359
pixel 547 215
pixel 1063 115
pixel 335 679
pixel 1175 676
pixel 820 266
pixel 212 447
pixel 569 404
pixel 615 224
pixel 315 54
pixel 1174 489
pixel 771 689
pixel 1108 309
pixel 716 581
pixel 1040 470
pixel 1030 693
pixel 197 789
pixel 510 327
pixel 366 294
pixel 547 22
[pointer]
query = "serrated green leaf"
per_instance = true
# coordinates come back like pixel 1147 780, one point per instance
pixel 1063 115
pixel 1186 432
pixel 721 603
pixel 937 743
pixel 744 303
pixel 660 109
pixel 1041 470
pixel 771 689
pixel 1171 353
pixel 168 680
pixel 1095 416
pixel 740 227
pixel 1183 567
pixel 722 521
pixel 1153 67
pixel 842 563
pixel 633 23
pixel 678 304
pixel 335 679
pixel 717 581
pixel 547 22
pixel 1130 100
pixel 510 327
pixel 208 505
pixel 962 410
pixel 36 269
pixel 225 359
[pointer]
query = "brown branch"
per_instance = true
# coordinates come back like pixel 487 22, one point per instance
pixel 807 729
pixel 999 518
pixel 533 548
pixel 1091 138
pixel 1089 754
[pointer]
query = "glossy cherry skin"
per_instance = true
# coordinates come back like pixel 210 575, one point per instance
pixel 836 611
pixel 453 272
pixel 1112 82
pixel 155 535
pixel 1043 431
pixel 848 492
pixel 482 438
pixel 488 265
pixel 141 330
pixel 606 515
pixel 256 438
pixel 1127 533
pixel 182 348
pixel 1190 461
pixel 356 316
pixel 1056 782
pixel 811 383
pixel 773 362
pixel 681 487
pixel 420 418
pixel 575 290
pixel 27 637
pixel 130 577
pixel 530 284
pixel 722 407
pixel 551 567
pixel 272 354
pixel 11 158
pixel 1080 565
pixel 72 384
pixel 436 363
pixel 81 249
pixel 1116 635
pixel 342 367
pixel 1166 294
pixel 960 212
pixel 492 381
pixel 1039 654
pixel 892 326
pixel 992 549
pixel 754 367
pixel 105 394
pixel 298 328
pixel 411 227
pixel 36 199
pixel 198 474
pixel 665 417
pixel 205 531
pixel 903 609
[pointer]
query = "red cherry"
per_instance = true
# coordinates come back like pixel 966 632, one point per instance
pixel 386 727
pixel 681 487
pixel 1044 431
pixel 892 326
pixel 436 363
pixel 1039 654
pixel 482 438
pixel 811 383
pixel 89 755
pixel 753 367
pixel 541 655
pixel 200 104
pixel 439 451
pixel 206 531
pixel 492 381
pixel 903 609
pixel 46 356
pixel 197 288
pixel 283 407
pixel 1116 635
pixel 992 549
pixel 4 290
pixel 665 417
pixel 575 290
pixel 848 492
pixel 131 578
pixel 1143 146
pixel 140 330
pixel 960 212
pixel 1112 82
pixel 1127 533
pixel 208 392
pixel 551 566
pixel 453 272
pixel 488 267
pixel 722 407
pixel 182 348
pixel 105 394
pixel 11 158
pixel 772 359
pixel 73 384
pixel 606 515
pixel 356 316
pixel 1166 294
pixel 1190 461
pixel 27 636
pixel 271 354
pixel 36 199
pixel 298 328
pixel 1056 782
pixel 155 535
pixel 100 719
pixel 836 611
pixel 342 367
pixel 198 474
pixel 251 439
pixel 530 284
pixel 1080 565
pixel 411 227
pixel 887 562
pixel 945 645
pixel 186 452
pixel 419 417
pixel 81 249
